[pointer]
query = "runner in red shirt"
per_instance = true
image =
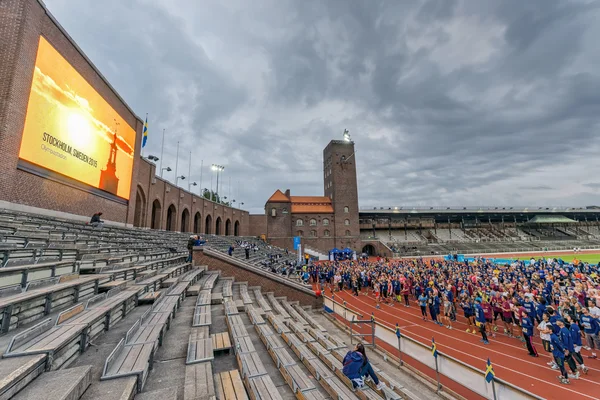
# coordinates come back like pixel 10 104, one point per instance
pixel 496 307
pixel 489 314
pixel 507 316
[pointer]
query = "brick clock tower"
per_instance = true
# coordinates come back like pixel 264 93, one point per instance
pixel 340 183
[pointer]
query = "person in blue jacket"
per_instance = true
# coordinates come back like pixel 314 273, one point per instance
pixel 529 306
pixel 553 317
pixel 576 335
pixel 540 309
pixel 567 340
pixel 433 301
pixel 558 352
pixel 480 320
pixel 357 367
pixel 527 326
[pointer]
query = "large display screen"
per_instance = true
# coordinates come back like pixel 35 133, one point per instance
pixel 71 130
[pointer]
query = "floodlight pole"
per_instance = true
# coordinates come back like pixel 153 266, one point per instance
pixel 201 168
pixel 177 162
pixel 162 150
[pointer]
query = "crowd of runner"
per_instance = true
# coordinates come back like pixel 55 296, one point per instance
pixel 549 298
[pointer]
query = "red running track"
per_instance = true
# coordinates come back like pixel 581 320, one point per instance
pixel 508 356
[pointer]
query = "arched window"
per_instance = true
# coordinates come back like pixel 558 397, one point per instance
pixel 346 222
pixel 299 233
pixel 313 233
pixel 325 222
pixel 346 209
pixel 347 233
pixel 299 222
pixel 273 212
pixel 313 222
pixel 326 233
pixel 284 211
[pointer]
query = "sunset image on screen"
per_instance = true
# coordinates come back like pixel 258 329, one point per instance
pixel 70 129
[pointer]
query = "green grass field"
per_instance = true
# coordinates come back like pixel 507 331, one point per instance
pixel 588 258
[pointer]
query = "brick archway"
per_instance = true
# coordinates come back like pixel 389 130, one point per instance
pixel 171 224
pixel 208 225
pixel 218 227
pixel 197 222
pixel 139 217
pixel 156 214
pixel 185 221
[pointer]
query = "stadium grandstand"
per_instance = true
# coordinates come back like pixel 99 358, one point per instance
pixel 479 230
pixel 116 312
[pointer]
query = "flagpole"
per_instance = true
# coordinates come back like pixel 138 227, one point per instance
pixel 176 163
pixel 144 127
pixel 201 168
pixel 490 377
pixel 190 174
pixel 437 374
pixel 162 151
pixel 398 335
pixel 437 370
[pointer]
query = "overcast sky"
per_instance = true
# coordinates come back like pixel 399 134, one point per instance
pixel 449 102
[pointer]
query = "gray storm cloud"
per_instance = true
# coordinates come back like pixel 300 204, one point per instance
pixel 449 102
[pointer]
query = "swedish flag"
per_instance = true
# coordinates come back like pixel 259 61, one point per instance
pixel 489 372
pixel 145 133
pixel 397 331
pixel 433 348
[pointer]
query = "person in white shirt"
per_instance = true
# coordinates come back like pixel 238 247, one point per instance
pixel 545 328
pixel 337 280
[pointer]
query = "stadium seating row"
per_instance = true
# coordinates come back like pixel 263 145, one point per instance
pixel 94 291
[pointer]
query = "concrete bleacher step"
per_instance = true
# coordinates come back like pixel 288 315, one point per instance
pixel 120 389
pixel 199 382
pixel 160 394
pixel 16 373
pixel 65 384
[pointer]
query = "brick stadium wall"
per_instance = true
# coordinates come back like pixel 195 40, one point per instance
pixel 258 225
pixel 242 273
pixel 22 22
pixel 151 188
pixel 320 241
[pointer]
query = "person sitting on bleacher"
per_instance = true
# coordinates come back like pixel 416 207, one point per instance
pixel 357 367
pixel 96 222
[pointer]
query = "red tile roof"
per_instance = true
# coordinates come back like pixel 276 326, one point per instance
pixel 278 197
pixel 304 204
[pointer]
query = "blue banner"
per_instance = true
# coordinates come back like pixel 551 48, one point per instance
pixel 296 242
